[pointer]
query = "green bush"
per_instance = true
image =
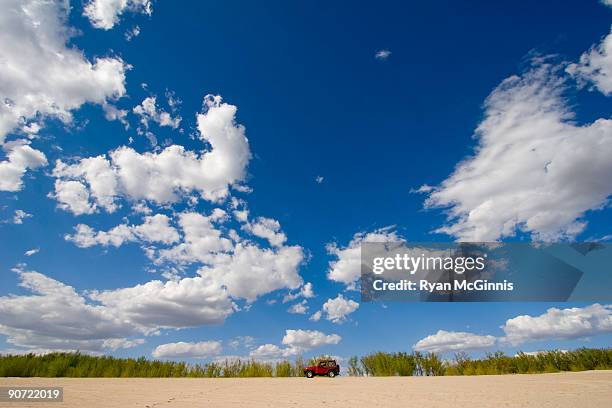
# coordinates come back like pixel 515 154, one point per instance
pixel 543 362
pixel 386 364
pixel 283 369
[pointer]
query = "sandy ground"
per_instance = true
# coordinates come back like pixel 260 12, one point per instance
pixel 584 390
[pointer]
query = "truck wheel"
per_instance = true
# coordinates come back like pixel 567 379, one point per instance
pixel 309 374
pixel 331 374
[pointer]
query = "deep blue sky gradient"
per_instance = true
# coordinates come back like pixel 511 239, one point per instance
pixel 315 101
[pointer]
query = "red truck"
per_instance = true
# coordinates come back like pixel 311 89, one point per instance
pixel 325 367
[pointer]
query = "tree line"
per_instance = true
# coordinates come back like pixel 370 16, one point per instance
pixel 430 364
pixel 84 365
pixel 374 364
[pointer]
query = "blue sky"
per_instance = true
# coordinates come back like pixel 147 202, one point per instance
pixel 314 102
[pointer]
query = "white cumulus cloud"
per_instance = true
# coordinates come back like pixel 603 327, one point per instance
pixel 595 66
pixel 116 344
pixel 444 341
pixel 19 216
pixel 55 316
pixel 40 74
pixel 155 228
pixel 556 323
pixel 295 342
pixel 201 241
pixel 271 352
pixel 164 177
pixel 339 308
pixel 188 302
pixel 203 349
pixel 316 316
pixel 308 339
pixel 268 229
pixel 43 77
pixel 534 169
pixel 19 158
pixel 305 292
pixel 243 268
pixel 105 14
pixel 250 271
pixel 298 308
pixel 148 111
pixel 346 268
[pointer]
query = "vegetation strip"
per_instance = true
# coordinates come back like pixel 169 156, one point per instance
pixel 375 364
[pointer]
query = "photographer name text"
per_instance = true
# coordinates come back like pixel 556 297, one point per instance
pixel 423 285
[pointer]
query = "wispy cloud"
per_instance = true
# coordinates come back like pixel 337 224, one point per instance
pixel 382 55
pixel 32 251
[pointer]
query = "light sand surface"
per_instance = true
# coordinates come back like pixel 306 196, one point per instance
pixel 582 390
